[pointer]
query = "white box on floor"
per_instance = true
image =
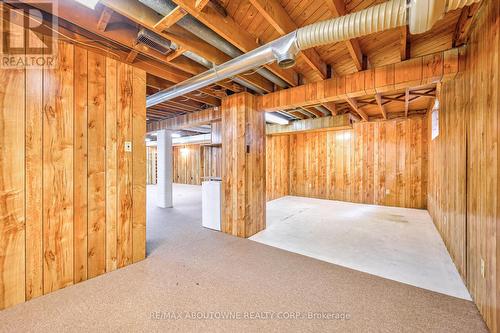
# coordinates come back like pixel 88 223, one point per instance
pixel 211 204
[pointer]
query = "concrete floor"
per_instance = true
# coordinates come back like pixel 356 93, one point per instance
pixel 395 243
pixel 193 275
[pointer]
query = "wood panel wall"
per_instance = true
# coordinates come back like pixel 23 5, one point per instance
pixel 464 165
pixel 383 163
pixel 187 164
pixel 243 166
pixel 192 163
pixel 212 161
pixel 151 165
pixel 72 200
pixel 277 166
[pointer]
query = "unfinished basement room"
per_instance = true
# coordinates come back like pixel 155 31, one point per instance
pixel 249 166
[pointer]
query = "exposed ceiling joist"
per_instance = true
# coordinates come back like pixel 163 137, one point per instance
pixel 146 17
pixel 200 4
pixel 169 20
pixel 332 107
pixel 337 7
pixel 354 105
pixel 228 29
pixel 277 16
pixel 378 98
pixel 465 23
pixel 104 19
pixel 160 84
pixel 405 43
pixel 131 56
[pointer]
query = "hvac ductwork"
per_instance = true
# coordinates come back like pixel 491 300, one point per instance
pixel 421 15
pixel 164 7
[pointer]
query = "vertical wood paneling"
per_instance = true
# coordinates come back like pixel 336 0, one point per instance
pixel 59 165
pixel 243 166
pixel 34 185
pixel 80 165
pixel 277 166
pixel 463 194
pixel 96 165
pixel 187 164
pixel 111 165
pixel 139 166
pixel 124 167
pixel 58 171
pixel 12 190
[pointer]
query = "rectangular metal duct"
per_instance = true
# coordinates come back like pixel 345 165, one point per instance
pixel 154 41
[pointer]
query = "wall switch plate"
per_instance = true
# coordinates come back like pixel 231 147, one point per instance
pixel 482 268
pixel 128 146
pixel 387 192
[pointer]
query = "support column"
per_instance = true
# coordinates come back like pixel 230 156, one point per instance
pixel 243 166
pixel 164 169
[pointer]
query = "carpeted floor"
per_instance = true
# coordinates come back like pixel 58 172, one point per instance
pixel 192 272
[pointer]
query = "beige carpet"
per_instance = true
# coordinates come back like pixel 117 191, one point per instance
pixel 191 269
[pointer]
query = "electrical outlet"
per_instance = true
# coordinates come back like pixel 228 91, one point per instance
pixel 128 146
pixel 482 268
pixel 387 191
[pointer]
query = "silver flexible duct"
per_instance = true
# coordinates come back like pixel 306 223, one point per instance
pixel 419 14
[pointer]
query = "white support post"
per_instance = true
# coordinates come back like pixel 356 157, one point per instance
pixel 164 181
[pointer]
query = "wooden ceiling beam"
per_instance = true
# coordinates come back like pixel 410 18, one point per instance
pixel 405 43
pixel 278 17
pixel 464 24
pixel 337 7
pixel 200 4
pixel 332 107
pixel 169 20
pixel 228 29
pixel 104 19
pixel 160 84
pixel 378 98
pixel 354 105
pixel 146 17
pixel 415 72
pixel 131 56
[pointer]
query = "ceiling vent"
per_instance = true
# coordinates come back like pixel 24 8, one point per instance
pixel 154 41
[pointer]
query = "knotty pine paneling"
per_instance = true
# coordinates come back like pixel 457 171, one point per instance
pixel 446 198
pixel 243 166
pixel 212 161
pixel 187 164
pixel 382 163
pixel 72 201
pixel 191 163
pixel 464 165
pixel 277 166
pixel 12 185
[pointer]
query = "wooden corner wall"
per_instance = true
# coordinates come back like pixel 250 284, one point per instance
pixel 72 200
pixel 464 165
pixel 243 166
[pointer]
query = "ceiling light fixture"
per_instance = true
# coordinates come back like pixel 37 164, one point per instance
pixel 272 118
